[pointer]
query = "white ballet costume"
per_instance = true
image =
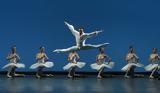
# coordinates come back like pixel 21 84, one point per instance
pixel 97 66
pixel 154 66
pixel 131 63
pixel 77 64
pixel 13 59
pixel 73 64
pixel 101 65
pixel 42 63
pixel 80 41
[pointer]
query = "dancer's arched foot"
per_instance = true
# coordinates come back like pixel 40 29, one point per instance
pixel 126 77
pixel 99 77
pixel 151 77
pixel 38 76
pixel 50 75
pixel 69 76
pixel 9 76
pixel 56 51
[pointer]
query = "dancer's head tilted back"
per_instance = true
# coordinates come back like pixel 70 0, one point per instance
pixel 131 48
pixel 154 50
pixel 13 49
pixel 101 49
pixel 81 31
pixel 42 49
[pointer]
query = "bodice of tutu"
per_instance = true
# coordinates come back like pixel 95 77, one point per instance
pixel 132 57
pixel 40 61
pixel 132 61
pixel 154 58
pixel 41 57
pixel 13 58
pixel 101 58
pixel 73 58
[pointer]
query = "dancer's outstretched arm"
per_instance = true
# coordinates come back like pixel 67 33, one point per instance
pixel 92 34
pixel 71 28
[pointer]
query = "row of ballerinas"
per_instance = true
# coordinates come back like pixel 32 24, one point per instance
pixel 102 61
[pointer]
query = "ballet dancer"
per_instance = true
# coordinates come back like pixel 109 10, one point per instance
pixel 81 37
pixel 74 63
pixel 154 65
pixel 102 61
pixel 42 62
pixel 132 60
pixel 13 58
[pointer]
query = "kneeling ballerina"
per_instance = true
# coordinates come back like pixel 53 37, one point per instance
pixel 42 62
pixel 13 58
pixel 102 61
pixel 132 60
pixel 73 64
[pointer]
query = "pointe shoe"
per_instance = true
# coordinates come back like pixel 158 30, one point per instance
pixel 51 75
pixel 151 77
pixel 69 76
pixel 97 32
pixel 38 76
pixel 99 77
pixel 126 77
pixel 9 76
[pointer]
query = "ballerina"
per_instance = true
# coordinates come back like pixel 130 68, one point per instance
pixel 13 58
pixel 42 62
pixel 132 60
pixel 154 65
pixel 102 61
pixel 73 64
pixel 81 37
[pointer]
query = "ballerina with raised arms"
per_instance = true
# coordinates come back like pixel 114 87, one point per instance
pixel 80 37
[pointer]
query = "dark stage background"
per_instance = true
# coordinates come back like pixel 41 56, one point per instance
pixel 29 24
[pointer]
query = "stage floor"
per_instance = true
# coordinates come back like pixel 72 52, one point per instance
pixel 90 84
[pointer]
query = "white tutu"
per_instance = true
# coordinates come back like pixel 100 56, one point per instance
pixel 78 64
pixel 18 65
pixel 98 67
pixel 125 68
pixel 41 64
pixel 150 67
